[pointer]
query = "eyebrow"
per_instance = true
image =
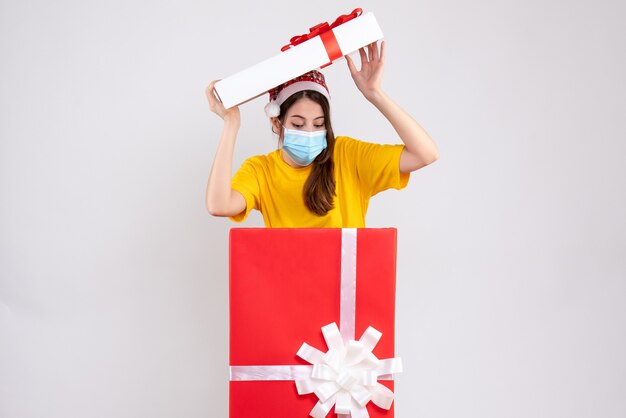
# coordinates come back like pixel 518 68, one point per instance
pixel 302 117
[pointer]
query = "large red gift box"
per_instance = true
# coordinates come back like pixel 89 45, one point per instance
pixel 285 285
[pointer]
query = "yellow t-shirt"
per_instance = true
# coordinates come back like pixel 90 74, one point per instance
pixel 362 169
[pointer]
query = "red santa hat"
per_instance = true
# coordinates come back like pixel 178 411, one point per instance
pixel 313 80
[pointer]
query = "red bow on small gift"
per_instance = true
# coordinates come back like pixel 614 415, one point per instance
pixel 321 28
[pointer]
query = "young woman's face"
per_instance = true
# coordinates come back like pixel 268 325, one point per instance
pixel 305 115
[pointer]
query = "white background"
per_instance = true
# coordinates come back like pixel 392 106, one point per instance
pixel 511 252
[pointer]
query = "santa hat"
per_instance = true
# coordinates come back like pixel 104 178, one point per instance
pixel 313 80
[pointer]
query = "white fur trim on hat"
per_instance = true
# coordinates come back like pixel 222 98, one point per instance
pixel 272 109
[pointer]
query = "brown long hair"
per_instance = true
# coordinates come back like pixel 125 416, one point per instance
pixel 319 189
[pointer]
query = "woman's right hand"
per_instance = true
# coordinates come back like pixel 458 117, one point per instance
pixel 228 115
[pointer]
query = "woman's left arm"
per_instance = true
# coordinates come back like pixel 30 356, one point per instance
pixel 419 150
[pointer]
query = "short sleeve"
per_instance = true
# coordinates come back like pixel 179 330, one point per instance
pixel 378 167
pixel 246 182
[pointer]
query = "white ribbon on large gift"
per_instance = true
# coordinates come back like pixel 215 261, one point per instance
pixel 347 375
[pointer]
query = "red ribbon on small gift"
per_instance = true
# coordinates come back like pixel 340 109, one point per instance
pixel 325 32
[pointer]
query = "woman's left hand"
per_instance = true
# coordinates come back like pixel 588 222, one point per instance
pixel 369 77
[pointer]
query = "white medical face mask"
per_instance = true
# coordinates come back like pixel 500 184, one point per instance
pixel 302 146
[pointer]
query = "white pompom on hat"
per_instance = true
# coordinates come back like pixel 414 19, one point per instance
pixel 313 80
pixel 272 109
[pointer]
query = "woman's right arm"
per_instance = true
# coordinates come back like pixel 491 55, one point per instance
pixel 221 199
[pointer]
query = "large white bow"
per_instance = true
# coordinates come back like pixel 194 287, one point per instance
pixel 346 376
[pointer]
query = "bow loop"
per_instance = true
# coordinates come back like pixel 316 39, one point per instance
pixel 345 18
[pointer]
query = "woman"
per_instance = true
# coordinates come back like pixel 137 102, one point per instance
pixel 315 180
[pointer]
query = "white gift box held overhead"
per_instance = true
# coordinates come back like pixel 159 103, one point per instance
pixel 332 43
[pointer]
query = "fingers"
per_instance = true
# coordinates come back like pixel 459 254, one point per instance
pixel 215 104
pixel 374 55
pixel 363 56
pixel 212 96
pixel 382 52
pixel 211 86
pixel 210 91
pixel 351 65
